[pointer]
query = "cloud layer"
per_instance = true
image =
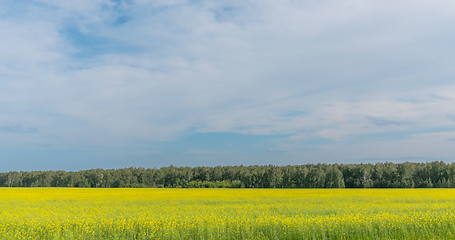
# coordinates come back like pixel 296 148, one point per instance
pixel 326 80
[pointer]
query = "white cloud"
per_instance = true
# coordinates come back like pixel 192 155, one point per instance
pixel 308 69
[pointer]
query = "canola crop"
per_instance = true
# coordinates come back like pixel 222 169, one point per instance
pixel 76 213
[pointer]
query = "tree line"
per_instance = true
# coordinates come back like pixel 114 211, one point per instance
pixel 378 175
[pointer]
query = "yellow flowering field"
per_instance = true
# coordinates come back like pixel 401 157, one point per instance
pixel 140 213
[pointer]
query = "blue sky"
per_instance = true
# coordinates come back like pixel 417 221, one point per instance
pixel 110 84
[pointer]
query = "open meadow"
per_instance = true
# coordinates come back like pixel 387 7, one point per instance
pixel 77 213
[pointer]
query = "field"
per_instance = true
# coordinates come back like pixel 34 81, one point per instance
pixel 70 213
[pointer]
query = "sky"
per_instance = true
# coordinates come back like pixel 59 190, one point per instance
pixel 112 83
